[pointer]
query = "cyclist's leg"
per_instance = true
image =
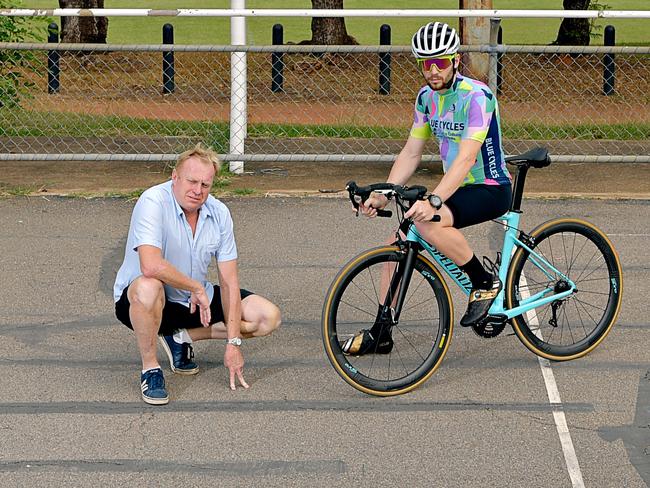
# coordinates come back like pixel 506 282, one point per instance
pixel 469 205
pixel 446 237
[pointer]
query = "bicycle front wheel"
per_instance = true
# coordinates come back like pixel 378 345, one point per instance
pixel 420 337
pixel 571 327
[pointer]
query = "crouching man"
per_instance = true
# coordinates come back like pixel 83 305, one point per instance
pixel 161 289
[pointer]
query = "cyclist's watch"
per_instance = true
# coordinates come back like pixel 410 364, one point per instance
pixel 435 201
pixel 235 341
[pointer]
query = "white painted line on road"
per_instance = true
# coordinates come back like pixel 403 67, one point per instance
pixel 573 467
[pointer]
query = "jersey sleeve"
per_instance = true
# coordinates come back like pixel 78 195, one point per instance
pixel 421 128
pixel 479 115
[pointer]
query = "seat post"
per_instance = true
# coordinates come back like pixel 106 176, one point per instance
pixel 518 187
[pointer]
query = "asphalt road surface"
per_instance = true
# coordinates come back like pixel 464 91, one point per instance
pixel 71 412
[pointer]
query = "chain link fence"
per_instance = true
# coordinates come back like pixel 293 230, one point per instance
pixel 314 103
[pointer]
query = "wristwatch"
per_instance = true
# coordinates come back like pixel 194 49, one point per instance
pixel 435 201
pixel 235 341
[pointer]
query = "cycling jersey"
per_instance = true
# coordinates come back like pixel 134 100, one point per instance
pixel 468 110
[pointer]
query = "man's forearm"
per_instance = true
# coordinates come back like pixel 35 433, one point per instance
pixel 452 179
pixel 231 300
pixel 164 271
pixel 404 167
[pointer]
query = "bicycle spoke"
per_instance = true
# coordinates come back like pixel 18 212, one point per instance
pixel 568 322
pixel 582 323
pixel 584 303
pixel 359 309
pixel 376 301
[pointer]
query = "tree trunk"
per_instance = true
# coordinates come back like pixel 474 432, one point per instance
pixel 91 30
pixel 329 30
pixel 574 32
pixel 473 31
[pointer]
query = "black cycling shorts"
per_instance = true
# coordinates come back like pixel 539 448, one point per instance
pixel 473 204
pixel 176 316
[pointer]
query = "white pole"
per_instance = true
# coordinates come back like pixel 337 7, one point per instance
pixel 238 107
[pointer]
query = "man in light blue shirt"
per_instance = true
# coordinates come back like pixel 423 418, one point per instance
pixel 162 288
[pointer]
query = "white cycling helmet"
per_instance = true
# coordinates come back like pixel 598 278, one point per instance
pixel 433 40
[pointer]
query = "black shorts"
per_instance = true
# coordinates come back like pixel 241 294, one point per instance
pixel 176 316
pixel 473 204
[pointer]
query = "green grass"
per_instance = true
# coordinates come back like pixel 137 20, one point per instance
pixel 585 132
pixel 129 195
pixel 23 124
pixel 7 190
pixel 243 191
pixel 140 30
pixel 344 131
pixel 39 124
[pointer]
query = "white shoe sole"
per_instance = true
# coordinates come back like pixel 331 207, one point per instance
pixel 155 401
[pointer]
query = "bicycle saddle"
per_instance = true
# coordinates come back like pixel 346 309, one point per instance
pixel 537 158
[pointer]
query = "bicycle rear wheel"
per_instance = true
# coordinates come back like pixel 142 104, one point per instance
pixel 420 337
pixel 572 327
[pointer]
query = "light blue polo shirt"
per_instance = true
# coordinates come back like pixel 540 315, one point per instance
pixel 158 220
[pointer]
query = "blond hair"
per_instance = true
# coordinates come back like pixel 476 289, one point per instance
pixel 205 154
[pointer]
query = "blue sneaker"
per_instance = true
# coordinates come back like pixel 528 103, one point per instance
pixel 180 356
pixel 153 387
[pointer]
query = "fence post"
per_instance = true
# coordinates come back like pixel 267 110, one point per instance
pixel 277 62
pixel 384 61
pixel 168 69
pixel 499 62
pixel 492 70
pixel 609 64
pixel 238 94
pixel 53 59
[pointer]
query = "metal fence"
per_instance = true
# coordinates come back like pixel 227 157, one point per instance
pixel 325 103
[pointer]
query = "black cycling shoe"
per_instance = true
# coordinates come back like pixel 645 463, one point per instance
pixel 364 342
pixel 480 301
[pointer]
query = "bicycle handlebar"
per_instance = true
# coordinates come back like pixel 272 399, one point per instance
pixel 410 194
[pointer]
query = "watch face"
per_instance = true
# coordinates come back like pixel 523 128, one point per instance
pixel 235 341
pixel 435 201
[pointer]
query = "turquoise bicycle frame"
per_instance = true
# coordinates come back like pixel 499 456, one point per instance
pixel 511 221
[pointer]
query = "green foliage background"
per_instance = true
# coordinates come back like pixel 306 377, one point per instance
pixel 13 85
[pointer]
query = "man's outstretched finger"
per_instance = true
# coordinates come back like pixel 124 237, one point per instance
pixel 242 381
pixel 232 380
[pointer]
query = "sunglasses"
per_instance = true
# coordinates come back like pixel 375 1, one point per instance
pixel 440 63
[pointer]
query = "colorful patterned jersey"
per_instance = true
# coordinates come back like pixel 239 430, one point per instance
pixel 468 110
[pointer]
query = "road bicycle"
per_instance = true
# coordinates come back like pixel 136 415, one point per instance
pixel 562 292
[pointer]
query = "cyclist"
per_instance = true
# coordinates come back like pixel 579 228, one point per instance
pixel 463 115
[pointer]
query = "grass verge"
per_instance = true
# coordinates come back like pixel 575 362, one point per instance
pixel 48 124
